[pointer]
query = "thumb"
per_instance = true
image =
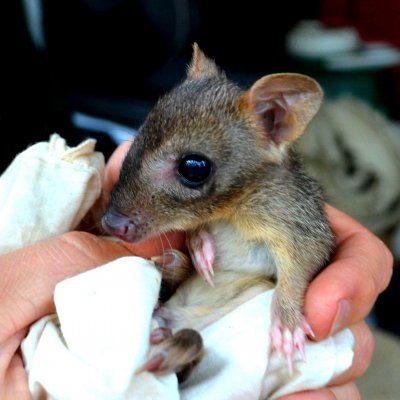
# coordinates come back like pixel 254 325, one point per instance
pixel 111 173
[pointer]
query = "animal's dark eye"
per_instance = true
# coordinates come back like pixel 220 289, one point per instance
pixel 194 170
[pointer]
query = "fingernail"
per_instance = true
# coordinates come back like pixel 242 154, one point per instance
pixel 341 316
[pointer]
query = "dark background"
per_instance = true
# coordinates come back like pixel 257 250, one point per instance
pixel 113 58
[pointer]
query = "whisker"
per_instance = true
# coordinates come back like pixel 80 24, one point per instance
pixel 169 242
pixel 162 247
pixel 169 248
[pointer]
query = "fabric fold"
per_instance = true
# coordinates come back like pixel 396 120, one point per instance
pixel 47 190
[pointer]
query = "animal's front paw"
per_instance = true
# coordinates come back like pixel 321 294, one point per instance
pixel 287 341
pixel 201 246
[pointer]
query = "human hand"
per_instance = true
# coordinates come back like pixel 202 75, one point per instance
pixel 343 294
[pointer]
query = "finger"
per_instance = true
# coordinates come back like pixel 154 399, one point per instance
pixel 15 384
pixel 345 392
pixel 8 348
pixel 91 221
pixel 111 172
pixel 364 344
pixel 157 245
pixel 346 290
pixel 321 394
pixel 13 377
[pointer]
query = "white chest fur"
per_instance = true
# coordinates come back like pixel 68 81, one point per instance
pixel 235 253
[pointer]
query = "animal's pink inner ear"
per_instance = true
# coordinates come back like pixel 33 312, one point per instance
pixel 283 105
pixel 273 116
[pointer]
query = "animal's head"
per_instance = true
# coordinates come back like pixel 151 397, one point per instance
pixel 203 146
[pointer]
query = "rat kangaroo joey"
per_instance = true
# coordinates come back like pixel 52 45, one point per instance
pixel 216 162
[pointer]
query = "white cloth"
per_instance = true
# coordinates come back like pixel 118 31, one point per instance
pixel 47 190
pixel 91 348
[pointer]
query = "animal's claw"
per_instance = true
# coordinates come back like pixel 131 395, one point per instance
pixel 287 341
pixel 202 249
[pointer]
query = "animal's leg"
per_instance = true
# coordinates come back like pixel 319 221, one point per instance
pixel 289 328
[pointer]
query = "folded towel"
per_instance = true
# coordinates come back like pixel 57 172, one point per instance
pixel 47 190
pixel 92 346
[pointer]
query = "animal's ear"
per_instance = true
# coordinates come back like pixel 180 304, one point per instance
pixel 282 105
pixel 201 65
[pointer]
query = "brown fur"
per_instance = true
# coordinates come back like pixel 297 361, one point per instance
pixel 258 199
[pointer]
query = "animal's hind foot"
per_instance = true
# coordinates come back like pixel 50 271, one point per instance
pixel 287 341
pixel 178 353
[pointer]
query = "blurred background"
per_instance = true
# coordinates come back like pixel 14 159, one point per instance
pixel 95 67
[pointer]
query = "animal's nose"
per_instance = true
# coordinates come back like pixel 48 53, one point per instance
pixel 117 224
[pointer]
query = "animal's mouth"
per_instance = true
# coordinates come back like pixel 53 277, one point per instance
pixel 121 226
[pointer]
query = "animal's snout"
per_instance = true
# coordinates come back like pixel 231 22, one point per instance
pixel 118 225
